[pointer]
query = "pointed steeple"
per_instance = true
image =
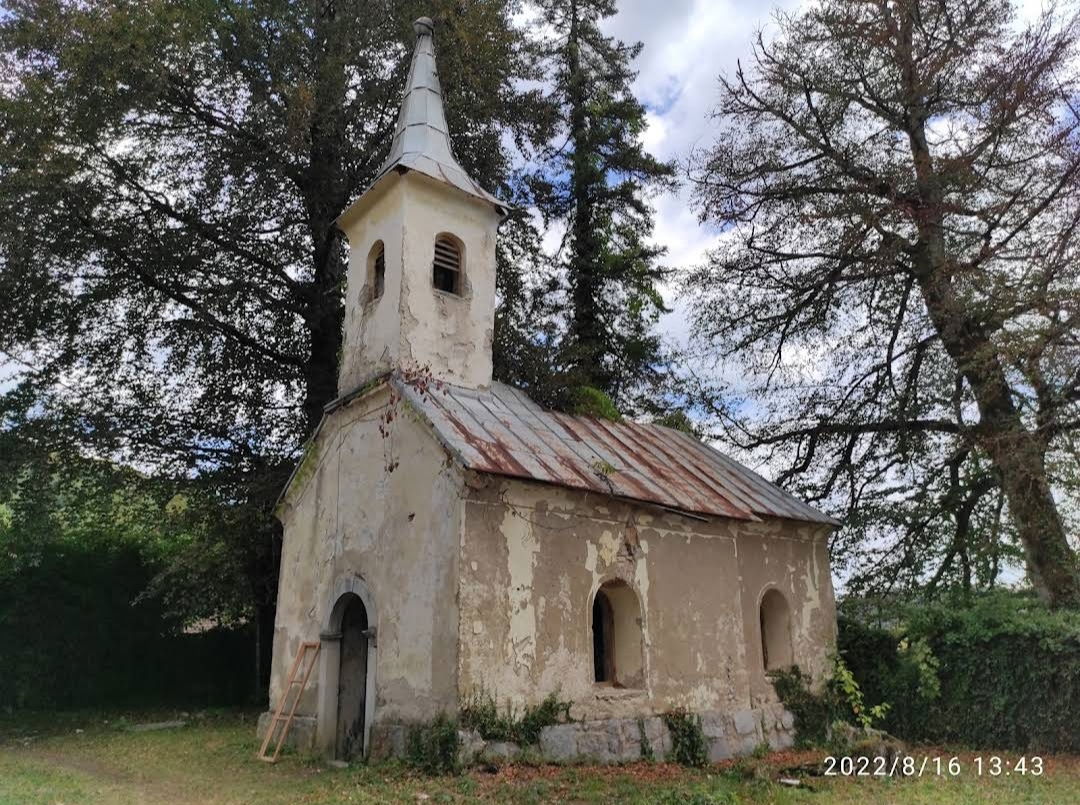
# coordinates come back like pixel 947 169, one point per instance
pixel 422 238
pixel 421 137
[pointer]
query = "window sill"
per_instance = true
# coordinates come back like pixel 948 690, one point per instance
pixel 606 692
pixel 439 294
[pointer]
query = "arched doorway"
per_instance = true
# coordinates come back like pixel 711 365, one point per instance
pixel 603 630
pixel 352 679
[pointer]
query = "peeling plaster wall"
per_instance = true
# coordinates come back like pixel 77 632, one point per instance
pixel 533 556
pixel 794 559
pixel 413 324
pixel 372 326
pixel 345 514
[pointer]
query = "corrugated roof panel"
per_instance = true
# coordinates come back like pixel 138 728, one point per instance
pixel 762 493
pixel 683 470
pixel 680 488
pixel 502 431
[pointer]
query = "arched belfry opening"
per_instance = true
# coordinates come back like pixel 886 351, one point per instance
pixel 775 623
pixel 377 269
pixel 448 266
pixel 617 638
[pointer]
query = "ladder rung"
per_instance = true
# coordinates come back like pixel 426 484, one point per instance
pixel 280 717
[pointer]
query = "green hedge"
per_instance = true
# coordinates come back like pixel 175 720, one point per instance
pixel 994 671
pixel 72 635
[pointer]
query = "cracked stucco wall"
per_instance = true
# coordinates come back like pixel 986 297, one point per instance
pixel 532 557
pixel 480 581
pixel 398 531
pixel 413 324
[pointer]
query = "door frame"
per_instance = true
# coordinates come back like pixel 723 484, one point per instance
pixel 330 664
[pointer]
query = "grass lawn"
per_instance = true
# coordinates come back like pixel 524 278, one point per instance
pixel 94 758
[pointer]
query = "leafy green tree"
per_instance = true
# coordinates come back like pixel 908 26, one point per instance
pixel 899 181
pixel 170 275
pixel 82 541
pixel 596 182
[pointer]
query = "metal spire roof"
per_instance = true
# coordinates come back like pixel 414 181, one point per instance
pixel 421 137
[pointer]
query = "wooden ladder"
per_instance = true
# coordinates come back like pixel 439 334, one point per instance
pixel 280 717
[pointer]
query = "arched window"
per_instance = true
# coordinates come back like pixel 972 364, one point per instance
pixel 377 269
pixel 616 633
pixel 775 614
pixel 447 268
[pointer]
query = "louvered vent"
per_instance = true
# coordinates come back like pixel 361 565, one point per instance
pixel 446 269
pixel 378 271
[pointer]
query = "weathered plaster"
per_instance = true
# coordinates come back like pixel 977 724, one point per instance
pixel 412 324
pixel 521 550
pixel 533 557
pixel 398 531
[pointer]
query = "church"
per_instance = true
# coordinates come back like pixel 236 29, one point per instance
pixel 445 535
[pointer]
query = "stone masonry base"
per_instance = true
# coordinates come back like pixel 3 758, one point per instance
pixel 616 740
pixel 613 740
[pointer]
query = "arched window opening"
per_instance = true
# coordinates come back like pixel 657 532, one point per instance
pixel 377 269
pixel 616 633
pixel 776 651
pixel 446 270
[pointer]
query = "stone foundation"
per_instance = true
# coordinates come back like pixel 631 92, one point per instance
pixel 301 733
pixel 616 740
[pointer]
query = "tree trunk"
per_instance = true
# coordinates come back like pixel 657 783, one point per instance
pixel 1018 454
pixel 324 197
pixel 325 317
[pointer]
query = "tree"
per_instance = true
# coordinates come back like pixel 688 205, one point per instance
pixel 898 179
pixel 596 182
pixel 170 274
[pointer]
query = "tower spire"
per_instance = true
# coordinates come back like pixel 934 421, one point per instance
pixel 422 240
pixel 421 136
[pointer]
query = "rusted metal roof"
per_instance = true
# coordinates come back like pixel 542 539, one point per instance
pixel 501 431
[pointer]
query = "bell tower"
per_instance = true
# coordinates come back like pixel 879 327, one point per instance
pixel 421 276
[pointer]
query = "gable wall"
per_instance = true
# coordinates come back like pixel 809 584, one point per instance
pixel 532 557
pixel 347 515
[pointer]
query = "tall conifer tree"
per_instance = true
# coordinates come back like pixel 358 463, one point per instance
pixel 596 182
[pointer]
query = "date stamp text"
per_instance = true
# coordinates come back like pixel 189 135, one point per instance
pixel 932 765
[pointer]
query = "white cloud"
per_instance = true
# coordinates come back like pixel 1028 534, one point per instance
pixel 688 44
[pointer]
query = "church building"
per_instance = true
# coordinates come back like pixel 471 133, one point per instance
pixel 444 535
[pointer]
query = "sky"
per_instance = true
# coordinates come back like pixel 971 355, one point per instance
pixel 688 44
